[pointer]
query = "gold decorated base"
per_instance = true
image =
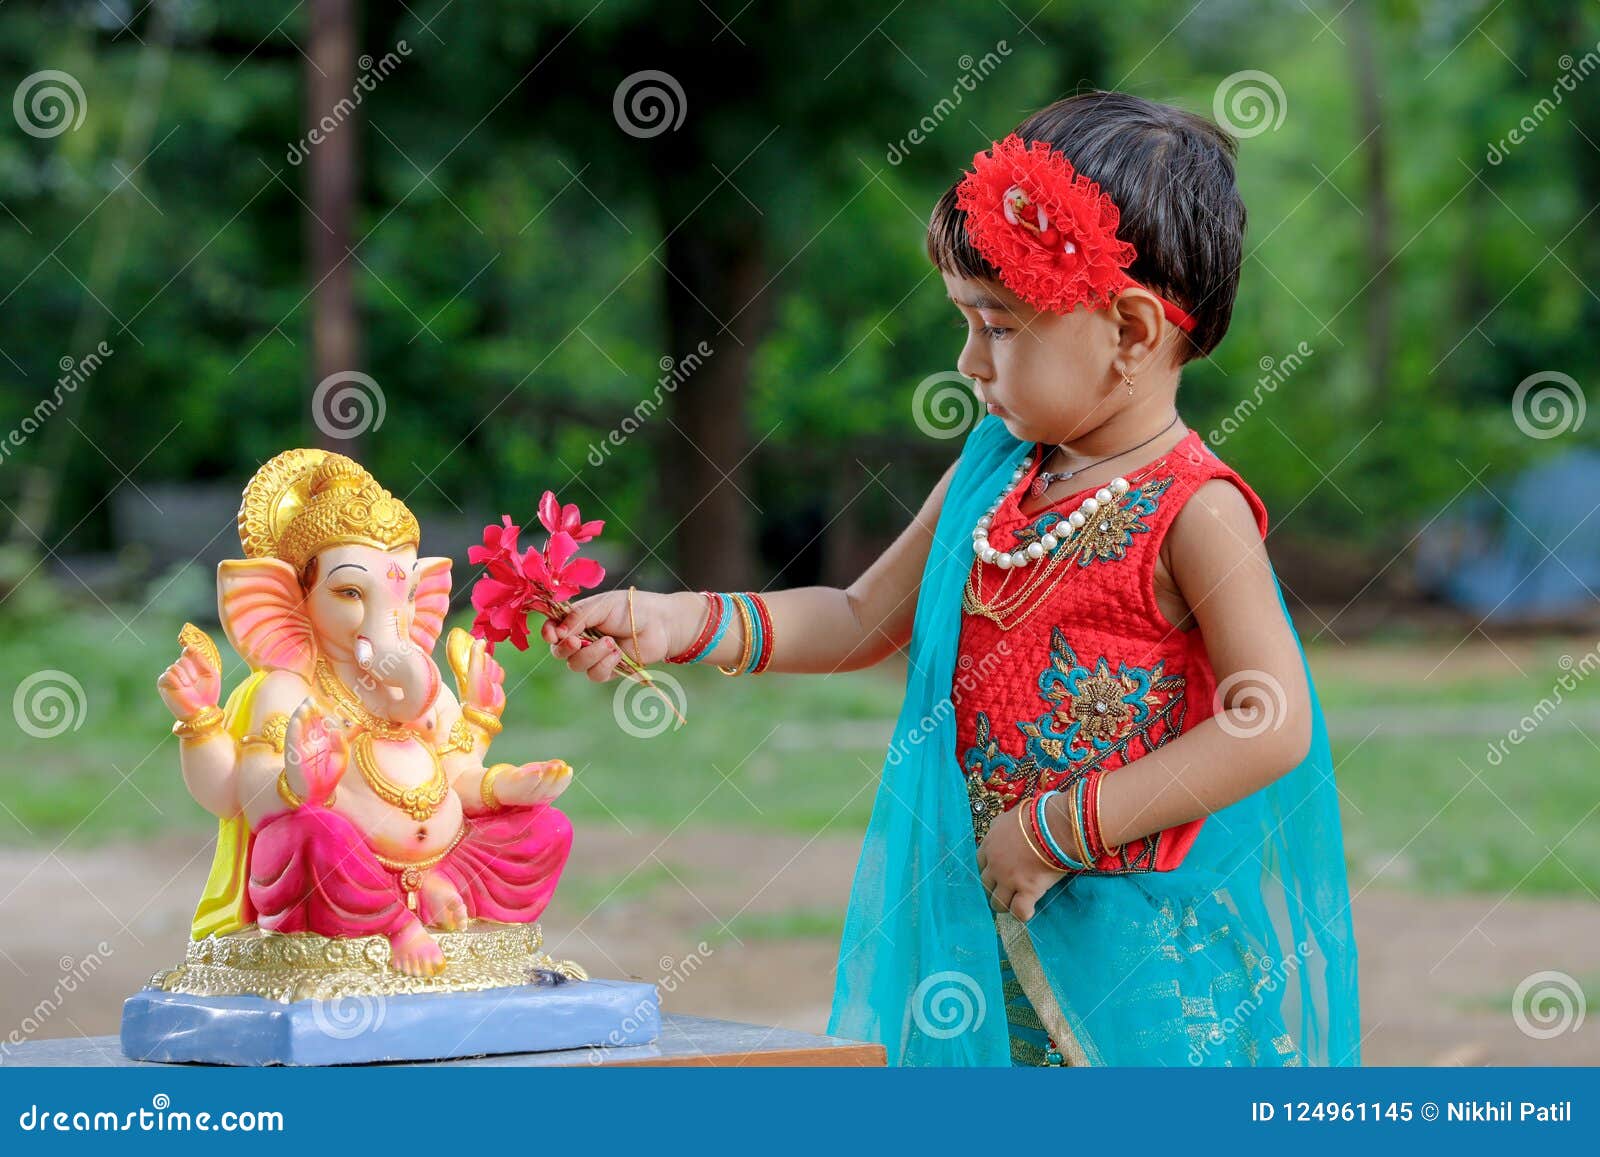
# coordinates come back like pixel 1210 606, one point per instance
pixel 307 966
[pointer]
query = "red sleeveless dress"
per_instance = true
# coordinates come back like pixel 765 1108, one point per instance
pixel 1095 676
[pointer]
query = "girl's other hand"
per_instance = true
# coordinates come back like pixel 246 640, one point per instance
pixel 665 622
pixel 1013 875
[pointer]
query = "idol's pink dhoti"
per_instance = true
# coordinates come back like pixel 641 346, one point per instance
pixel 311 870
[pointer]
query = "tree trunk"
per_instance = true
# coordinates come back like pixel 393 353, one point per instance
pixel 714 275
pixel 335 326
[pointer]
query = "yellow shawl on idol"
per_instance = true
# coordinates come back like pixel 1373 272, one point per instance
pixel 221 907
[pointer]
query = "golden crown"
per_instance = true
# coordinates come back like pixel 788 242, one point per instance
pixel 304 501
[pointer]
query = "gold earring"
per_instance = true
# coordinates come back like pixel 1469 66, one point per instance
pixel 1127 380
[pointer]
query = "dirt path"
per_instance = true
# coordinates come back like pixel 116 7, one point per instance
pixel 1437 973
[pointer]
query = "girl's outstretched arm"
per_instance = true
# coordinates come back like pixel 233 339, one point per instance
pixel 816 630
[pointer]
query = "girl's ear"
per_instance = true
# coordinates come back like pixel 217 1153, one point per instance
pixel 1139 324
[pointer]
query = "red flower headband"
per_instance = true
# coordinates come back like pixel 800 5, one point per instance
pixel 1050 232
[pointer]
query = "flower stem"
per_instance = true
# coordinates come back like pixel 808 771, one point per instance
pixel 560 610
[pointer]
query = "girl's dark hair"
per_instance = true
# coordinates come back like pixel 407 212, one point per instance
pixel 1170 173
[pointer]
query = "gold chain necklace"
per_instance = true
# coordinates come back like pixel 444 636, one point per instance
pixel 1008 613
pixel 418 802
pixel 333 687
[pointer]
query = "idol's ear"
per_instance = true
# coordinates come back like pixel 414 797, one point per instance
pixel 262 608
pixel 433 601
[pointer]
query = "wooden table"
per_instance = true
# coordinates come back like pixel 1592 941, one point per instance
pixel 684 1040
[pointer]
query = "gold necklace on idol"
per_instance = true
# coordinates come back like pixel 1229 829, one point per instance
pixel 1058 548
pixel 418 802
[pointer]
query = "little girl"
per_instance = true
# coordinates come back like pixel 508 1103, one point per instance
pixel 1107 830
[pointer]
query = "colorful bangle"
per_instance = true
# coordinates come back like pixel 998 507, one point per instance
pixel 709 633
pixel 1041 822
pixel 766 633
pixel 747 620
pixel 1078 798
pixel 1091 815
pixel 1022 822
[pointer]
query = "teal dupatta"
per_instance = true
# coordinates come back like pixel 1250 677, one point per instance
pixel 1243 955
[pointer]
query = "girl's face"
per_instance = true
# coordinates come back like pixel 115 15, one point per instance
pixel 1047 376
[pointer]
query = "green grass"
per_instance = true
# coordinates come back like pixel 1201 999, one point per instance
pixel 788 924
pixel 769 754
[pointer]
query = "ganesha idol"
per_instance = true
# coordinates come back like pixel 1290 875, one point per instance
pixel 352 785
pixel 363 831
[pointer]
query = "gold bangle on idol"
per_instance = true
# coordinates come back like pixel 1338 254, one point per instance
pixel 485 721
pixel 201 725
pixel 486 786
pixel 291 797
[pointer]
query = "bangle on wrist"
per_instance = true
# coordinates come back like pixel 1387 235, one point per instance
pixel 710 633
pixel 1041 819
pixel 485 721
pixel 291 797
pixel 486 786
pixel 757 620
pixel 200 725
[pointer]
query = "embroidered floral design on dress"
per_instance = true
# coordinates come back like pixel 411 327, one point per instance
pixel 1108 533
pixel 1099 717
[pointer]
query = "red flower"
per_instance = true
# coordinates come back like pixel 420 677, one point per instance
pixel 1051 233
pixel 565 574
pixel 514 585
pixel 556 517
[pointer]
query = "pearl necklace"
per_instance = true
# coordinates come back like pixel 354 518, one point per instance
pixel 1046 543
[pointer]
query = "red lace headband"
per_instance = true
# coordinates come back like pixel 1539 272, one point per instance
pixel 1051 233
